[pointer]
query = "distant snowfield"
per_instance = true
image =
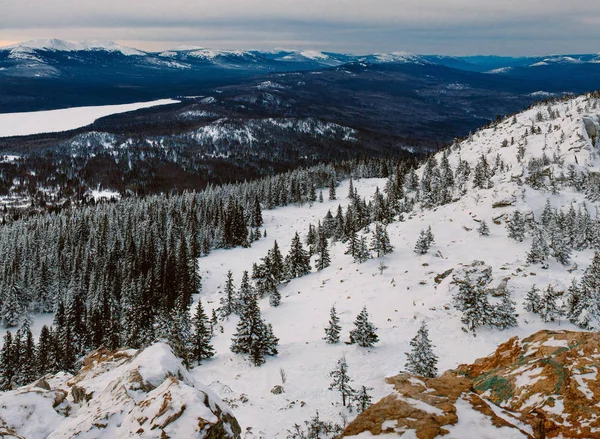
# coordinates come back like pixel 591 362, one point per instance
pixel 53 121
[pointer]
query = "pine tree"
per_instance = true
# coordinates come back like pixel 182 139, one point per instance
pixel 332 190
pixel 483 229
pixel 44 361
pixel 353 244
pixel 228 302
pixel 422 245
pixel 201 347
pixel 323 259
pixel 549 310
pixel 362 399
pixel 504 314
pixel 253 336
pixel 6 362
pixel 363 333
pixel 472 300
pixel 332 331
pixel 533 300
pixel 421 360
pixel 297 261
pixel 429 236
pixel 275 297
pixel 587 310
pixel 12 310
pixel 27 359
pixel 180 330
pixel 277 264
pixel 363 253
pixel 539 249
pixel 380 241
pixel 516 226
pixel 341 380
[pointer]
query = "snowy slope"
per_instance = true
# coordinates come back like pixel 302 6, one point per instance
pixel 405 293
pixel 52 121
pixel 401 297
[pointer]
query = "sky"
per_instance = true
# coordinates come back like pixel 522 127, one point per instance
pixel 453 27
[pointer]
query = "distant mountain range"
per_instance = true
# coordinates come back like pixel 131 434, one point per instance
pixel 47 74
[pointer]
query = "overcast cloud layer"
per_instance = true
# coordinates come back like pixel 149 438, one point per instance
pixel 505 27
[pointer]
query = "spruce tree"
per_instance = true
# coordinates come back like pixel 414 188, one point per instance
pixel 323 259
pixel 363 253
pixel 201 347
pixel 341 380
pixel 362 399
pixel 332 331
pixel 363 333
pixel 533 300
pixel 353 244
pixel 422 245
pixel 297 261
pixel 277 263
pixel 483 229
pixel 7 371
pixel 421 360
pixel 380 241
pixel 43 360
pixel 429 236
pixel 516 226
pixel 504 314
pixel 539 249
pixel 12 310
pixel 332 190
pixel 472 300
pixel 275 297
pixel 549 310
pixel 253 336
pixel 27 359
pixel 228 301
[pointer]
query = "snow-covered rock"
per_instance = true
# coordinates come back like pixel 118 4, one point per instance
pixel 541 386
pixel 121 394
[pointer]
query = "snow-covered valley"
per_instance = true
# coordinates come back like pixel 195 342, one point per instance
pixel 549 153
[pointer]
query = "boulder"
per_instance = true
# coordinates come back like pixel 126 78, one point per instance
pixel 542 386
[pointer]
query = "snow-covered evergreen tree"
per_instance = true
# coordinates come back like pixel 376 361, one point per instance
pixel 363 253
pixel 421 360
pixel 472 300
pixel 323 259
pixel 362 399
pixel 539 248
pixel 229 302
pixel 549 308
pixel 533 300
pixel 516 226
pixel 363 333
pixel 332 331
pixel 7 371
pixel 423 243
pixel 297 262
pixel 202 334
pixel 253 336
pixel 380 241
pixel 483 229
pixel 341 381
pixel 504 313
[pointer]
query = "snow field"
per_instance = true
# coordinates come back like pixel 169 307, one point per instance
pixel 53 121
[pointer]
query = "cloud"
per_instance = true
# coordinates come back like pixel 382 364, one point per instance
pixel 351 25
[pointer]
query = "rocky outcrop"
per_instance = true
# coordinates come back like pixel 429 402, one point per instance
pixel 542 386
pixel 120 394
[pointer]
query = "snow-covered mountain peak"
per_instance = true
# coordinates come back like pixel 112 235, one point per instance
pixel 68 46
pixel 397 57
